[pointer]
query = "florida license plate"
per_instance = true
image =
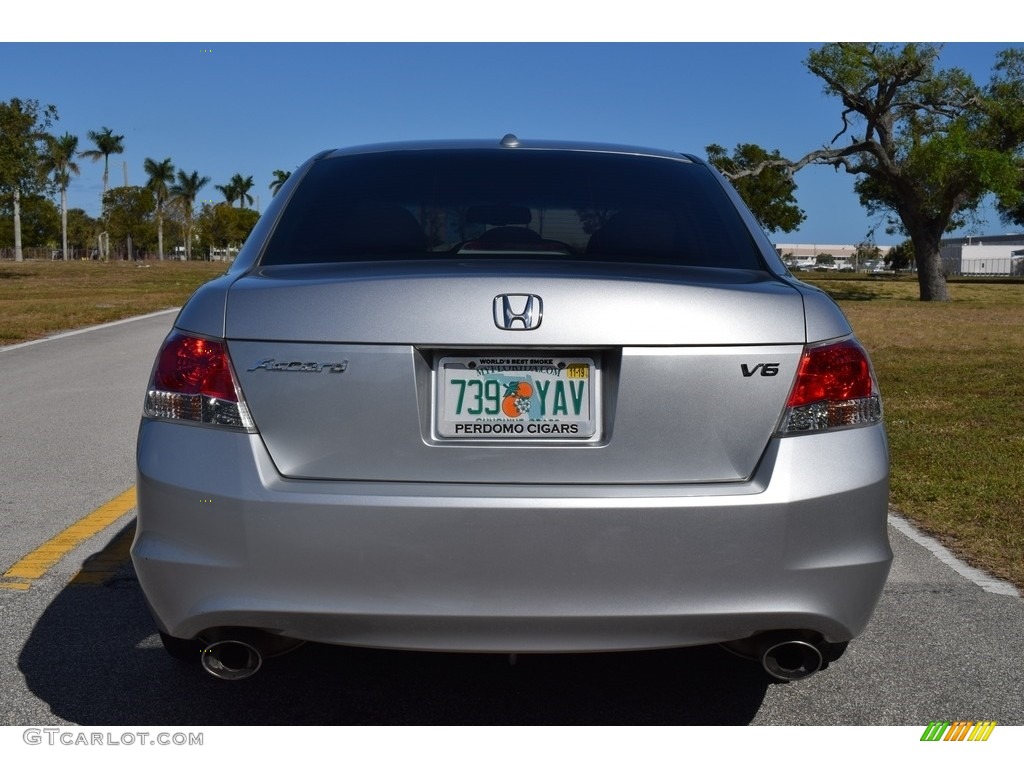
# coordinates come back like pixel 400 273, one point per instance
pixel 532 397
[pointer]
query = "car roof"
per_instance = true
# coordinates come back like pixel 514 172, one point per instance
pixel 508 142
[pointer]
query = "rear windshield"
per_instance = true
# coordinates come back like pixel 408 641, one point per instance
pixel 494 204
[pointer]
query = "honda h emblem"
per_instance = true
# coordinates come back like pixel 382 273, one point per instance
pixel 518 311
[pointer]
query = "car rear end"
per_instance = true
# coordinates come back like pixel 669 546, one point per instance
pixel 517 398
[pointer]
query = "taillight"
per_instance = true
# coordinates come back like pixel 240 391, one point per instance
pixel 834 389
pixel 193 381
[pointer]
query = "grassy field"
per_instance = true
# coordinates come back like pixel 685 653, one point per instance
pixel 38 298
pixel 952 377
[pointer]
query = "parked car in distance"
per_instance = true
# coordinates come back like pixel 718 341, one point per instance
pixel 510 396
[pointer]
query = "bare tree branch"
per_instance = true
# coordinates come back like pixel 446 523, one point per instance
pixel 824 156
pixel 846 124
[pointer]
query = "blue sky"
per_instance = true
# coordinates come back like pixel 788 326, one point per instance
pixel 249 108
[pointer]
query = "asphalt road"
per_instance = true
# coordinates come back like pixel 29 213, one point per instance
pixel 939 647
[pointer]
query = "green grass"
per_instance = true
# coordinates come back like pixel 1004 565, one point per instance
pixel 952 378
pixel 39 298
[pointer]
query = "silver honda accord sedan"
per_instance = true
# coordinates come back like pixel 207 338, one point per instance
pixel 510 396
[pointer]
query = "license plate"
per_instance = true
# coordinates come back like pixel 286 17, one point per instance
pixel 532 397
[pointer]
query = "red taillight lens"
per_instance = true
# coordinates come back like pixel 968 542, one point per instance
pixel 835 372
pixel 834 389
pixel 193 381
pixel 192 366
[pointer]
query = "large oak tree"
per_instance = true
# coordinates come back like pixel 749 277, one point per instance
pixel 926 145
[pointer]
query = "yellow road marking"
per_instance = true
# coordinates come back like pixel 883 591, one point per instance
pixel 105 564
pixel 36 563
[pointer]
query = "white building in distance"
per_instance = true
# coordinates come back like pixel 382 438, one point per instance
pixel 985 255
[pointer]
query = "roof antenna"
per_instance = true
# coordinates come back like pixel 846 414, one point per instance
pixel 509 140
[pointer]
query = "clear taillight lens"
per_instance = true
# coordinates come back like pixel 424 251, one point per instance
pixel 193 381
pixel 834 389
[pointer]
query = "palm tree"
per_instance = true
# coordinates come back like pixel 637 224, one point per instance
pixel 185 191
pixel 229 190
pixel 280 177
pixel 107 144
pixel 242 186
pixel 161 177
pixel 237 189
pixel 59 160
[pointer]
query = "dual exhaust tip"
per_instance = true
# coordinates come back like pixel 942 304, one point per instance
pixel 231 659
pixel 238 654
pixel 786 658
pixel 791 659
pixel 787 655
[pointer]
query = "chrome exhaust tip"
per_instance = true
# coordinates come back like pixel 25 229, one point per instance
pixel 231 659
pixel 791 660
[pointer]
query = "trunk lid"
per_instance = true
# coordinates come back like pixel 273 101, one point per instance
pixel 341 367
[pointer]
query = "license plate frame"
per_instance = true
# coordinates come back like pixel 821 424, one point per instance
pixel 503 397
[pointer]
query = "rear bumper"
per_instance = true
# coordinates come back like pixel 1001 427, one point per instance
pixel 224 541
